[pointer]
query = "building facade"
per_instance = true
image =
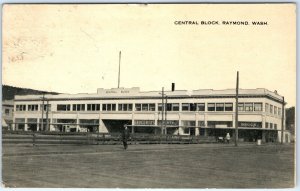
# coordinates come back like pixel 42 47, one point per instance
pixel 7 114
pixel 180 112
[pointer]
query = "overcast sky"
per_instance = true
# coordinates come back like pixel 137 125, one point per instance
pixel 75 48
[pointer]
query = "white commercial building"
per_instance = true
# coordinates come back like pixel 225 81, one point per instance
pixel 198 112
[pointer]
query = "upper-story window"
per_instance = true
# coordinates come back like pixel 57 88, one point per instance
pixel 145 107
pixel 34 107
pixel 228 107
pixel 20 107
pixel 138 107
pixel 78 107
pixel 63 107
pixel 108 107
pixel 211 107
pixel 175 106
pixel 169 107
pixel 248 106
pixel 125 107
pixel 257 106
pixel 279 111
pixel 188 107
pixel 241 107
pixel 93 107
pixel 275 110
pixel 46 107
pixel 267 109
pixel 201 106
pixel 271 109
pixel 220 107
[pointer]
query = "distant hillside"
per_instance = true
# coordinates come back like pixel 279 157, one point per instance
pixel 8 92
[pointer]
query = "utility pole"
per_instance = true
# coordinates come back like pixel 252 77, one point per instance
pixel 43 99
pixel 282 120
pixel 47 112
pixel 166 114
pixel 236 110
pixel 162 110
pixel 119 69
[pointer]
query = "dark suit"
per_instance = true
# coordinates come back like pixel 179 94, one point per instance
pixel 125 137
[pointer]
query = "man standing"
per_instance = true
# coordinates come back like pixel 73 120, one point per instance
pixel 228 137
pixel 125 136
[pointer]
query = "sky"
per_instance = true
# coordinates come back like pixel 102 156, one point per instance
pixel 75 48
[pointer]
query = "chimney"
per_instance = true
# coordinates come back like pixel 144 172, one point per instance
pixel 173 87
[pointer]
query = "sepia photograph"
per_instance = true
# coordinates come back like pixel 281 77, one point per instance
pixel 175 96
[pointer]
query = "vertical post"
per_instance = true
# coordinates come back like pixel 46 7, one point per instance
pixel 236 110
pixel 47 113
pixel 119 69
pixel 162 110
pixel 282 120
pixel 43 99
pixel 166 114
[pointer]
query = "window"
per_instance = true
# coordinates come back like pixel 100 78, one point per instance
pixel 46 107
pixel 275 110
pixel 248 106
pixel 175 106
pixel 125 107
pixel 267 125
pixel 63 107
pixel 20 107
pixel 186 130
pixel 138 107
pixel 78 107
pixel 145 107
pixel 152 107
pixel 193 106
pixel 33 107
pixel 201 123
pixel 185 107
pixel 257 106
pixel 6 111
pixel 271 125
pixel 159 107
pixel 220 107
pixel 267 107
pixel 211 107
pixel 201 106
pixel 93 107
pixel 228 107
pixel 275 126
pixel 279 111
pixel 271 109
pixel 109 107
pixel 241 107
pixel 169 107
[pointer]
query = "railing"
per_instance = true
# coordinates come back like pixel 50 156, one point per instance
pixel 39 138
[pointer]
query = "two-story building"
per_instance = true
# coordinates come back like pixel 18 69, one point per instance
pixel 199 112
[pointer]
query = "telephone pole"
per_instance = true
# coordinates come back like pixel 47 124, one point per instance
pixel 236 110
pixel 119 69
pixel 282 120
